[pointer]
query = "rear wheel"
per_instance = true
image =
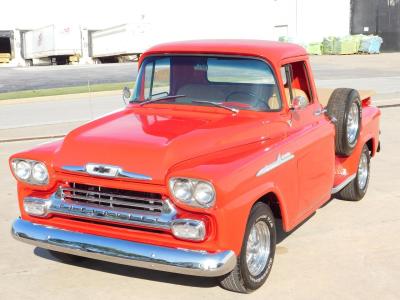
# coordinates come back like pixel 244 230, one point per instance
pixel 257 253
pixel 357 188
pixel 344 105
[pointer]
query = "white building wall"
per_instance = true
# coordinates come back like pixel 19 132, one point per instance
pixel 305 20
pixel 311 20
pixel 318 19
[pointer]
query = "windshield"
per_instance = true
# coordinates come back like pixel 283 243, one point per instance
pixel 239 83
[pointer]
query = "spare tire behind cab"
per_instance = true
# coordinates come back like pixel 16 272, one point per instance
pixel 344 105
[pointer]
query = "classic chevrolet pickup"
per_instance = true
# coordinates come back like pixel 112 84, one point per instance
pixel 219 140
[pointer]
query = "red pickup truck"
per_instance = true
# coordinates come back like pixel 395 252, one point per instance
pixel 219 140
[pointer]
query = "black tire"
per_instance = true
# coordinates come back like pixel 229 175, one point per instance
pixel 339 105
pixel 65 257
pixel 239 279
pixel 353 191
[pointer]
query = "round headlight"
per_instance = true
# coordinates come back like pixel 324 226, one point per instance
pixel 182 189
pixel 193 192
pixel 39 173
pixel 204 193
pixel 23 170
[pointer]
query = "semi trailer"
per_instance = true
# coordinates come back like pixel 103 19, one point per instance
pixel 53 44
pixel 120 43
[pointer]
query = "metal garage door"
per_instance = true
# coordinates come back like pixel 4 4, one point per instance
pixel 381 17
pixel 7 42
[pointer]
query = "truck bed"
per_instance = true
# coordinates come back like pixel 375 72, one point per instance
pixel 325 93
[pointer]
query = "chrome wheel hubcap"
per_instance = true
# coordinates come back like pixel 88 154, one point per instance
pixel 362 173
pixel 258 248
pixel 352 123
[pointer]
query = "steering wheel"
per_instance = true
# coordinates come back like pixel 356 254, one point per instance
pixel 260 103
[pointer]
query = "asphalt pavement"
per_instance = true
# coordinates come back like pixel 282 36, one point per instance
pixel 44 77
pixel 326 68
pixel 346 250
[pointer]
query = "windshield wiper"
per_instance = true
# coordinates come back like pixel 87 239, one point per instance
pixel 218 104
pixel 160 99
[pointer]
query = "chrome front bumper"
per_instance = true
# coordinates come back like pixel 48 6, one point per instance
pixel 174 260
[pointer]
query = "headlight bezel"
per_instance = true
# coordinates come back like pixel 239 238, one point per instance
pixel 192 201
pixel 31 178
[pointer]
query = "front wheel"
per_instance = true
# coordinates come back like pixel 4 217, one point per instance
pixel 257 253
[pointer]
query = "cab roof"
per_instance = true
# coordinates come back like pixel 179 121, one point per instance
pixel 271 51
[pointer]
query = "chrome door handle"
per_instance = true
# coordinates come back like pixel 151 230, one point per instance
pixel 320 111
pixel 323 111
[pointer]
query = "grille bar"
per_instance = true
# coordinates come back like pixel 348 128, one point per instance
pixel 112 202
pixel 113 198
pixel 99 193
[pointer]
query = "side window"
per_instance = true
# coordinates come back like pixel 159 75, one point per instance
pixel 283 75
pixel 157 78
pixel 148 74
pixel 296 81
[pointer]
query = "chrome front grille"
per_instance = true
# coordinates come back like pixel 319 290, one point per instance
pixel 111 198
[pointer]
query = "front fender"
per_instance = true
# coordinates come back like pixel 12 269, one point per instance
pixel 44 153
pixel 233 174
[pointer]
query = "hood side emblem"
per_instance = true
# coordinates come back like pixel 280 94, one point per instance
pixel 280 160
pixel 105 171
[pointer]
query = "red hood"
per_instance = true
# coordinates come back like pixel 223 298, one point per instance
pixel 149 141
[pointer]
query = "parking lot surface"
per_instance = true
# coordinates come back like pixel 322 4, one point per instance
pixel 346 250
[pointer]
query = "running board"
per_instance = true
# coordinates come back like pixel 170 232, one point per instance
pixel 341 185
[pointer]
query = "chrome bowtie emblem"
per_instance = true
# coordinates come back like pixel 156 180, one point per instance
pixel 102 170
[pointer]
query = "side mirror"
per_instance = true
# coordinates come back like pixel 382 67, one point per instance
pixel 299 102
pixel 126 94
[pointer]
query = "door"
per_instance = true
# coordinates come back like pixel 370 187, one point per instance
pixel 312 139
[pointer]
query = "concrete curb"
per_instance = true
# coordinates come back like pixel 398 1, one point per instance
pixel 31 138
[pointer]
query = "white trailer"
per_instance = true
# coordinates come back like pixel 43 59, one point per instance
pixel 52 44
pixel 120 43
